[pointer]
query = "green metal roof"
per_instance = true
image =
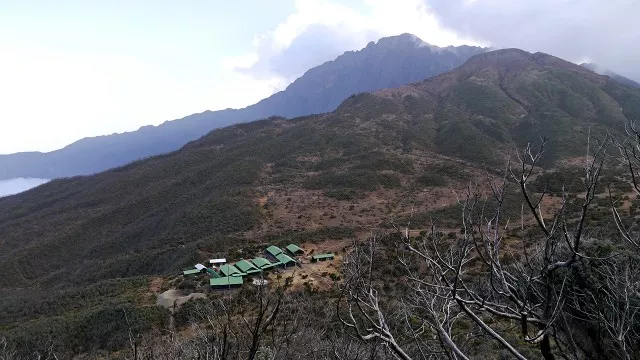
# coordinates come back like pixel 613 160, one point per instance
pixel 262 263
pixel 213 273
pixel 294 249
pixel 227 280
pixel 274 250
pixel 323 256
pixel 229 270
pixel 247 267
pixel 191 272
pixel 285 259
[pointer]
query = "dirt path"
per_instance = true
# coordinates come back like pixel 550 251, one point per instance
pixel 173 299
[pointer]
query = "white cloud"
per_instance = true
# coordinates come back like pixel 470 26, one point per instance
pixel 53 98
pixel 412 16
pixel 242 61
pixel 311 12
pixel 320 30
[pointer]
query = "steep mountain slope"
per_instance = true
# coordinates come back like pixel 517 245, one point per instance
pixel 211 186
pixel 615 76
pixel 390 62
pixel 320 177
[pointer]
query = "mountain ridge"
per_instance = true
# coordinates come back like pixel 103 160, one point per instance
pixel 608 72
pixel 388 62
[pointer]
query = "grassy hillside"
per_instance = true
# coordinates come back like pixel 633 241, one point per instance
pixel 333 176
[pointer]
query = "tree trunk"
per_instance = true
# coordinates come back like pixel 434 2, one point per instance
pixel 545 348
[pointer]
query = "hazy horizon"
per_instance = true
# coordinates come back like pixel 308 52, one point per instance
pixel 18 185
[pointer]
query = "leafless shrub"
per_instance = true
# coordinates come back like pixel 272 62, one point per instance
pixel 565 302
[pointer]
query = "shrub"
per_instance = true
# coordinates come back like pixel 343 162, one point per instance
pixel 432 179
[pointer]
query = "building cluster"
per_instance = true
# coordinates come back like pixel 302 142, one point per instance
pixel 224 275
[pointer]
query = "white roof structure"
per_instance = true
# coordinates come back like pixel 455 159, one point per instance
pixel 200 267
pixel 259 282
pixel 218 261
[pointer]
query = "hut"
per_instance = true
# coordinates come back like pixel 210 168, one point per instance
pixel 285 260
pixel 217 262
pixel 226 282
pixel 230 270
pixel 294 249
pixel 213 273
pixel 322 257
pixel 274 251
pixel 201 268
pixel 262 263
pixel 191 272
pixel 247 267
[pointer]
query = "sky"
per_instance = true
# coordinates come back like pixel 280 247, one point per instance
pixel 73 69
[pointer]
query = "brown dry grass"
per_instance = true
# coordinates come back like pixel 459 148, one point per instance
pixel 155 286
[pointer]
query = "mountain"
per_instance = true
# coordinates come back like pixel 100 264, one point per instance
pixel 615 76
pixel 75 252
pixel 390 62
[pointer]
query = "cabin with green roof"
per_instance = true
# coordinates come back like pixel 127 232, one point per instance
pixel 226 282
pixel 247 267
pixel 262 263
pixel 230 270
pixel 191 272
pixel 285 260
pixel 322 257
pixel 294 249
pixel 274 251
pixel 213 273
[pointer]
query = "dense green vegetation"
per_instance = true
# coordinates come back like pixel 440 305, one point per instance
pixel 103 329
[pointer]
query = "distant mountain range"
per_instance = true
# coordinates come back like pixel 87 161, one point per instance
pixel 390 62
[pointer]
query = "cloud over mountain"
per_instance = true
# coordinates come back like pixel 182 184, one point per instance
pixel 320 30
pixel 599 31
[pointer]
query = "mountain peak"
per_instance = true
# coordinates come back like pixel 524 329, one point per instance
pixel 509 56
pixel 405 40
pixel 402 39
pixel 512 59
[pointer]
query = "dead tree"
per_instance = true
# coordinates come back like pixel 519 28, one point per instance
pixel 267 321
pixel 233 328
pixel 6 352
pixel 359 305
pixel 630 157
pixel 540 289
